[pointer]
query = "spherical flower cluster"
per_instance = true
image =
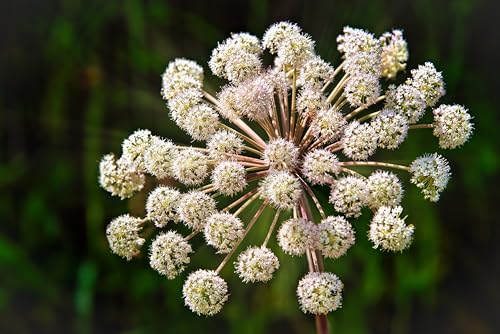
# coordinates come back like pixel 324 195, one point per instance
pixel 296 235
pixel 315 73
pixel 391 128
pixel 118 178
pixel 353 41
pixel 190 166
pixel 223 144
pixel 194 209
pixel 328 125
pixel 237 58
pixel 205 292
pixel 319 165
pixel 431 173
pixel 349 195
pixel 179 76
pixel 182 104
pixel 320 293
pixel 281 189
pixel 161 206
pixel 169 254
pixel 159 156
pixel 281 154
pixel 384 189
pixel 429 82
pixel 201 122
pixel 256 264
pixel 394 53
pixel 310 101
pixel 407 100
pixel 133 148
pixel 222 231
pixel 388 231
pixel 229 178
pixel 362 89
pixel 336 236
pixel 452 125
pixel 123 236
pixel 360 140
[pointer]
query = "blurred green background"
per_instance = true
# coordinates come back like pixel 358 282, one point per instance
pixel 76 77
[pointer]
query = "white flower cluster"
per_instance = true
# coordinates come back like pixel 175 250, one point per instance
pixel 288 133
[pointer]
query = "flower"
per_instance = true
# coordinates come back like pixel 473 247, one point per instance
pixel 296 235
pixel 318 166
pixel 161 206
pixel 159 156
pixel 384 189
pixel 452 125
pixel 281 189
pixel 229 178
pixel 394 53
pixel 281 154
pixel 388 231
pixel 360 140
pixel 336 236
pixel 133 148
pixel 118 178
pixel 194 208
pixel 349 195
pixel 256 264
pixel 391 128
pixel 123 236
pixel 431 173
pixel 407 100
pixel 222 231
pixel 190 166
pixel 169 254
pixel 223 144
pixel 429 82
pixel 205 292
pixel 320 293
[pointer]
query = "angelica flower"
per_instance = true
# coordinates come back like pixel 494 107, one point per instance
pixel 190 166
pixel 223 144
pixel 388 231
pixel 194 208
pixel 118 178
pixel 360 140
pixel 394 53
pixel 452 125
pixel 429 82
pixel 349 195
pixel 134 147
pixel 159 156
pixel 281 189
pixel 362 89
pixel 320 293
pixel 319 165
pixel 336 236
pixel 123 236
pixel 256 264
pixel 169 254
pixel 161 206
pixel 281 154
pixel 201 122
pixel 431 173
pixel 391 128
pixel 205 292
pixel 296 235
pixel 315 73
pixel 328 124
pixel 407 100
pixel 229 178
pixel 384 189
pixel 222 231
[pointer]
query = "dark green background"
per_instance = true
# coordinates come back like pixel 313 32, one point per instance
pixel 76 77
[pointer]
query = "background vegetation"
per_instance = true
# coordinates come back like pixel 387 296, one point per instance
pixel 78 76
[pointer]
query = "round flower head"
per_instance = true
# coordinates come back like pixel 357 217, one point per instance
pixel 190 166
pixel 237 58
pixel 228 104
pixel 315 73
pixel 194 209
pixel 169 254
pixel 254 97
pixel 362 89
pixel 222 144
pixel 388 231
pixel 359 141
pixel 407 100
pixel 201 122
pixel 394 53
pixel 336 236
pixel 294 52
pixel 429 82
pixel 281 189
pixel 431 173
pixel 452 125
pixel 320 293
pixel 296 235
pixel 123 236
pixel 384 189
pixel 256 264
pixel 391 128
pixel 353 40
pixel 134 146
pixel 118 178
pixel 328 124
pixel 229 178
pixel 310 101
pixel 161 206
pixel 180 104
pixel 179 76
pixel 318 166
pixel 281 154
pixel 363 63
pixel 275 35
pixel 159 156
pixel 222 231
pixel 349 195
pixel 205 292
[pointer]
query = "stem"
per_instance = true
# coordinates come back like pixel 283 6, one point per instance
pixel 191 235
pixel 248 130
pixel 247 229
pixel 273 224
pixel 241 135
pixel 292 110
pixel 313 197
pixel 374 164
pixel 246 204
pixel 421 126
pixel 367 117
pixel 241 199
pixel 360 109
pixel 337 88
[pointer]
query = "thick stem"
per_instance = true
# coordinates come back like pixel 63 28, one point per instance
pixel 421 126
pixel 374 164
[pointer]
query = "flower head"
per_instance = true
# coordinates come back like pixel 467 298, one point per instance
pixel 388 231
pixel 134 146
pixel 391 128
pixel 429 82
pixel 222 231
pixel 123 236
pixel 430 173
pixel 407 100
pixel 319 165
pixel 256 264
pixel 161 205
pixel 336 236
pixel 205 292
pixel 360 140
pixel 190 166
pixel 384 189
pixel 281 189
pixel 349 195
pixel 229 177
pixel 320 293
pixel 452 125
pixel 223 144
pixel 394 53
pixel 194 208
pixel 281 154
pixel 159 156
pixel 118 178
pixel 169 254
pixel 296 235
